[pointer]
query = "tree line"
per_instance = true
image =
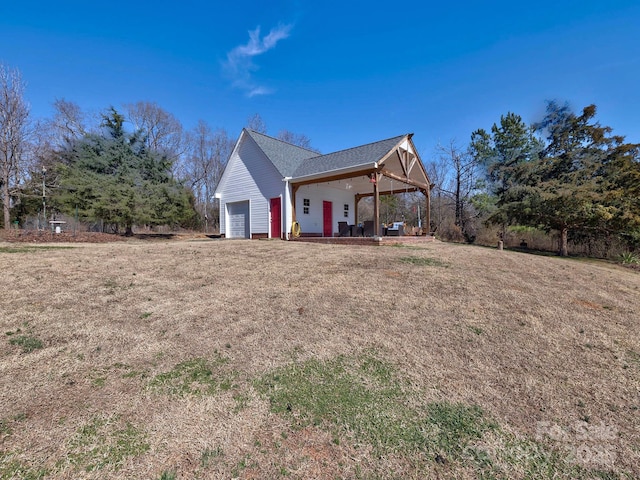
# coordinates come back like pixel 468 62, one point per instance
pixel 566 174
pixel 117 169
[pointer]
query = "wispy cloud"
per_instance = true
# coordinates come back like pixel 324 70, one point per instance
pixel 240 66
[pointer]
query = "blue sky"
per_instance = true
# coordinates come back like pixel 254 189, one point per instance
pixel 343 73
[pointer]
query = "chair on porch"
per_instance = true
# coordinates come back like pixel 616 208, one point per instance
pixel 396 229
pixel 343 229
pixel 367 228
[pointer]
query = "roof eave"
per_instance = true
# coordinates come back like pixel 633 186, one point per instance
pixel 334 172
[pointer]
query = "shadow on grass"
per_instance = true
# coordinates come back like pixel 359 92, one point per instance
pixel 153 236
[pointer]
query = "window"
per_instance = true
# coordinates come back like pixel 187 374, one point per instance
pixel 346 210
pixel 305 206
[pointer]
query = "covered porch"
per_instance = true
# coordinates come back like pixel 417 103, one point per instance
pixel 372 171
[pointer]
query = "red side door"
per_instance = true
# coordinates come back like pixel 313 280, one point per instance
pixel 276 218
pixel 327 219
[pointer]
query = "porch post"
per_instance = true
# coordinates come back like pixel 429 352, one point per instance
pixel 376 206
pixel 358 197
pixel 428 211
pixel 356 200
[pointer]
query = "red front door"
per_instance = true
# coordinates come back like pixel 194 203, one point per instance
pixel 276 222
pixel 327 219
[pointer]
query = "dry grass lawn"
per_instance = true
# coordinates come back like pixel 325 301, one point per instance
pixel 268 359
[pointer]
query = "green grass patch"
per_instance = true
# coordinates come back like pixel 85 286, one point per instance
pixel 407 247
pixel 244 463
pixel 522 229
pixel 105 442
pixel 363 399
pixel 633 357
pixel 11 467
pixel 242 401
pixel 27 249
pixel 112 286
pixel 198 376
pixel 168 475
pixel 210 455
pixel 6 424
pixel 99 382
pixel 423 261
pixel 5 428
pixel 474 329
pixel 28 343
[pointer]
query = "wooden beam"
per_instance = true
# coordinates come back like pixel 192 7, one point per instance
pixel 333 178
pixel 399 178
pixel 411 164
pixel 391 192
pixel 427 194
pixel 403 161
pixel 407 161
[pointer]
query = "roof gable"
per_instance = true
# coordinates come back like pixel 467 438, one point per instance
pixel 300 164
pixel 349 158
pixel 286 157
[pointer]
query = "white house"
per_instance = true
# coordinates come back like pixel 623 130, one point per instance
pixel 270 186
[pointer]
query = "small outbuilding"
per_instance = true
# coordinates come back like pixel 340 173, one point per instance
pixel 270 187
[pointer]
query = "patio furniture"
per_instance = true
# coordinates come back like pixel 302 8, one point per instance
pixel 343 229
pixel 367 228
pixel 396 229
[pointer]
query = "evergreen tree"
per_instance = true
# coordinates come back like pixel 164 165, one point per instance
pixel 583 180
pixel 114 177
pixel 503 153
pixel 569 187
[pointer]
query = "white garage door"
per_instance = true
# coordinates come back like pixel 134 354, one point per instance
pixel 238 219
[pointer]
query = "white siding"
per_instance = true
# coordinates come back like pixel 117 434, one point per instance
pixel 249 175
pixel 312 222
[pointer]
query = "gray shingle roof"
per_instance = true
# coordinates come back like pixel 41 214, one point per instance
pixel 284 156
pixel 352 157
pixel 294 161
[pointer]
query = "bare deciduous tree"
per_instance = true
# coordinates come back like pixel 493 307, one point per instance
pixel 207 156
pixel 14 117
pixel 256 124
pixel 69 122
pixel 162 131
pixel 460 184
pixel 299 139
pixel 437 170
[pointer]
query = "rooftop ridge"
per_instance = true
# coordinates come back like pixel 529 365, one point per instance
pixel 361 146
pixel 282 141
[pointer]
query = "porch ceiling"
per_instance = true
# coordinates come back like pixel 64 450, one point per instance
pixel 361 185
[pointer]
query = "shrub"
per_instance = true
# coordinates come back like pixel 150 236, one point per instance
pixel 628 258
